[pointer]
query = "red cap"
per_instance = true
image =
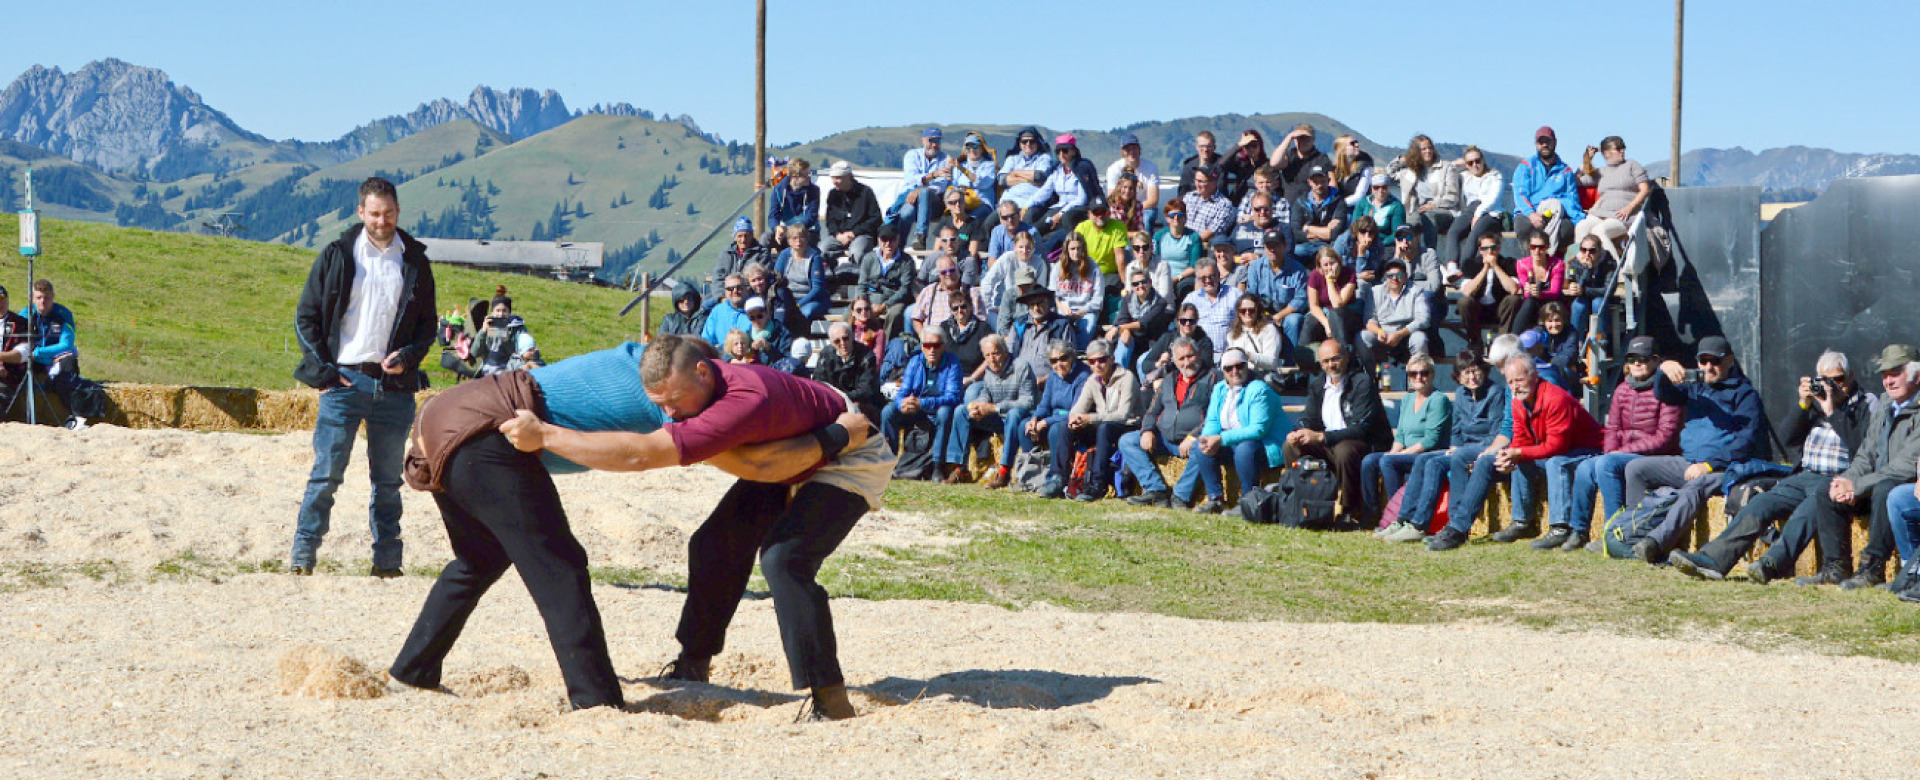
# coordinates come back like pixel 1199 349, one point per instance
pixel 1544 132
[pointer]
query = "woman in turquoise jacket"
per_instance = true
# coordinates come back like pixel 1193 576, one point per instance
pixel 1245 424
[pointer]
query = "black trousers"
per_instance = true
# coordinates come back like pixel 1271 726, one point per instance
pixel 1062 442
pixel 1832 523
pixel 793 536
pixel 501 509
pixel 1760 513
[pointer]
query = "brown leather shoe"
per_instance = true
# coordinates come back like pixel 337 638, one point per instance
pixel 997 480
pixel 830 702
pixel 955 475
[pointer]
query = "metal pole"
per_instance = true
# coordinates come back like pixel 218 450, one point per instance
pixel 760 117
pixel 646 310
pixel 1679 42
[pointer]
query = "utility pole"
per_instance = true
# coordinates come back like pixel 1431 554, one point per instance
pixel 1679 42
pixel 760 117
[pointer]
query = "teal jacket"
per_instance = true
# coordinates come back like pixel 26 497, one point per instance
pixel 1430 427
pixel 1261 418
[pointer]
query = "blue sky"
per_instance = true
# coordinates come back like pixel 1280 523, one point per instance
pixel 1760 73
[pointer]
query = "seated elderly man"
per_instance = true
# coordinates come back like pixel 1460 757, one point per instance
pixel 1058 394
pixel 1724 426
pixel 928 394
pixel 1550 435
pixel 1344 420
pixel 1032 337
pixel 1399 317
pixel 1173 423
pixel 1102 414
pixel 1245 425
pixel 1881 468
pixel 1001 399
pixel 1830 425
pixel 850 367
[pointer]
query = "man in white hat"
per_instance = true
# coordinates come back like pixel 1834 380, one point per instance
pixel 853 215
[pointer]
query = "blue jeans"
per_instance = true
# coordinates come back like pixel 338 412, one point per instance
pixel 1604 477
pixel 1013 436
pixel 1249 460
pixel 388 416
pixel 1381 467
pixel 1140 463
pixel 920 210
pixel 1424 480
pixel 1559 472
pixel 1305 250
pixel 1467 490
pixel 1290 327
pixel 1083 330
pixel 1584 307
pixel 960 433
pixel 1903 509
pixel 892 420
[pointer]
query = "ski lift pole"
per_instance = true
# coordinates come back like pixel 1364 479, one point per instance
pixel 668 274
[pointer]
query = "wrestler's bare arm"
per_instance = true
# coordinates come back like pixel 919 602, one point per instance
pixel 624 451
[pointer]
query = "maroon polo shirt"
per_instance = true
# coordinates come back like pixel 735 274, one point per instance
pixel 754 404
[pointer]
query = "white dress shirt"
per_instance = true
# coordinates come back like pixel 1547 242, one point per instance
pixel 374 303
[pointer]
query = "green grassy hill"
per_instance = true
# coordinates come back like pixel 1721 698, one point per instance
pixel 196 310
pixel 590 162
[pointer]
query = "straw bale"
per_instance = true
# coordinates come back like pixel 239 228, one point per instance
pixel 320 673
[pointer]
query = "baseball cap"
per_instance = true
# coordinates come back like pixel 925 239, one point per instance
pixel 1233 357
pixel 756 302
pixel 1066 139
pixel 1097 204
pixel 1533 337
pixel 931 132
pixel 1394 263
pixel 1378 180
pixel 1130 139
pixel 1714 346
pixel 840 169
pixel 1641 346
pixel 1893 358
pixel 973 139
pixel 743 225
pixel 1403 231
pixel 1222 239
pixel 1317 170
pixel 1544 132
pixel 888 235
pixel 1274 236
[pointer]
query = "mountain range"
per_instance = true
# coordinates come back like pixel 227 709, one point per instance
pixel 114 141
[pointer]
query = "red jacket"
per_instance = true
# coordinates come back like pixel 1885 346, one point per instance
pixel 1640 424
pixel 1555 424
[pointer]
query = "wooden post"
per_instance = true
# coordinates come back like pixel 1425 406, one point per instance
pixel 646 311
pixel 760 117
pixel 1679 41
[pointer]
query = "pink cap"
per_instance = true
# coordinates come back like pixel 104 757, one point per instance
pixel 1544 132
pixel 1066 139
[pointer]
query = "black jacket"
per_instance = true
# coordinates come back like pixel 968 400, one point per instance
pixel 892 286
pixel 858 376
pixel 966 346
pixel 323 304
pixel 1360 404
pixel 856 210
pixel 1850 421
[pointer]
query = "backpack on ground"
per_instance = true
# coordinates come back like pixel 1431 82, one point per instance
pixel 1303 498
pixel 1631 524
pixel 916 459
pixel 1029 471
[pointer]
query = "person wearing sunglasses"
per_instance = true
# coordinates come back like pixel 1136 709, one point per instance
pixel 1001 282
pixel 1540 275
pixel 934 304
pixel 1481 189
pixel 767 335
pixel 1725 426
pixel 1179 248
pixel 1145 173
pixel 1429 188
pixel 1398 329
pixel 1024 167
pixel 1546 199
pixel 1638 424
pixel 1382 205
pixel 930 391
pixel 1829 426
pixel 887 278
pixel 970 234
pixel 1268 216
pixel 1144 317
pixel 1621 186
pixel 730 314
pixel 1552 436
pixel 1033 334
pixel 1245 426
pixel 1157 362
pixel 1061 203
pixel 1485 279
pixel 1007 224
pixel 1878 481
pixel 1104 412
pixel 1478 408
pixel 949 242
pixel 1255 335
pixel 686 318
pixel 1060 389
pixel 1280 282
pixel 1426 420
pixel 1588 272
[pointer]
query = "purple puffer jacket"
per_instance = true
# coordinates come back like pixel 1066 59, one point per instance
pixel 1639 424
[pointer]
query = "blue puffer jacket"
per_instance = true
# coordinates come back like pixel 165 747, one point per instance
pixel 946 383
pixel 1725 423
